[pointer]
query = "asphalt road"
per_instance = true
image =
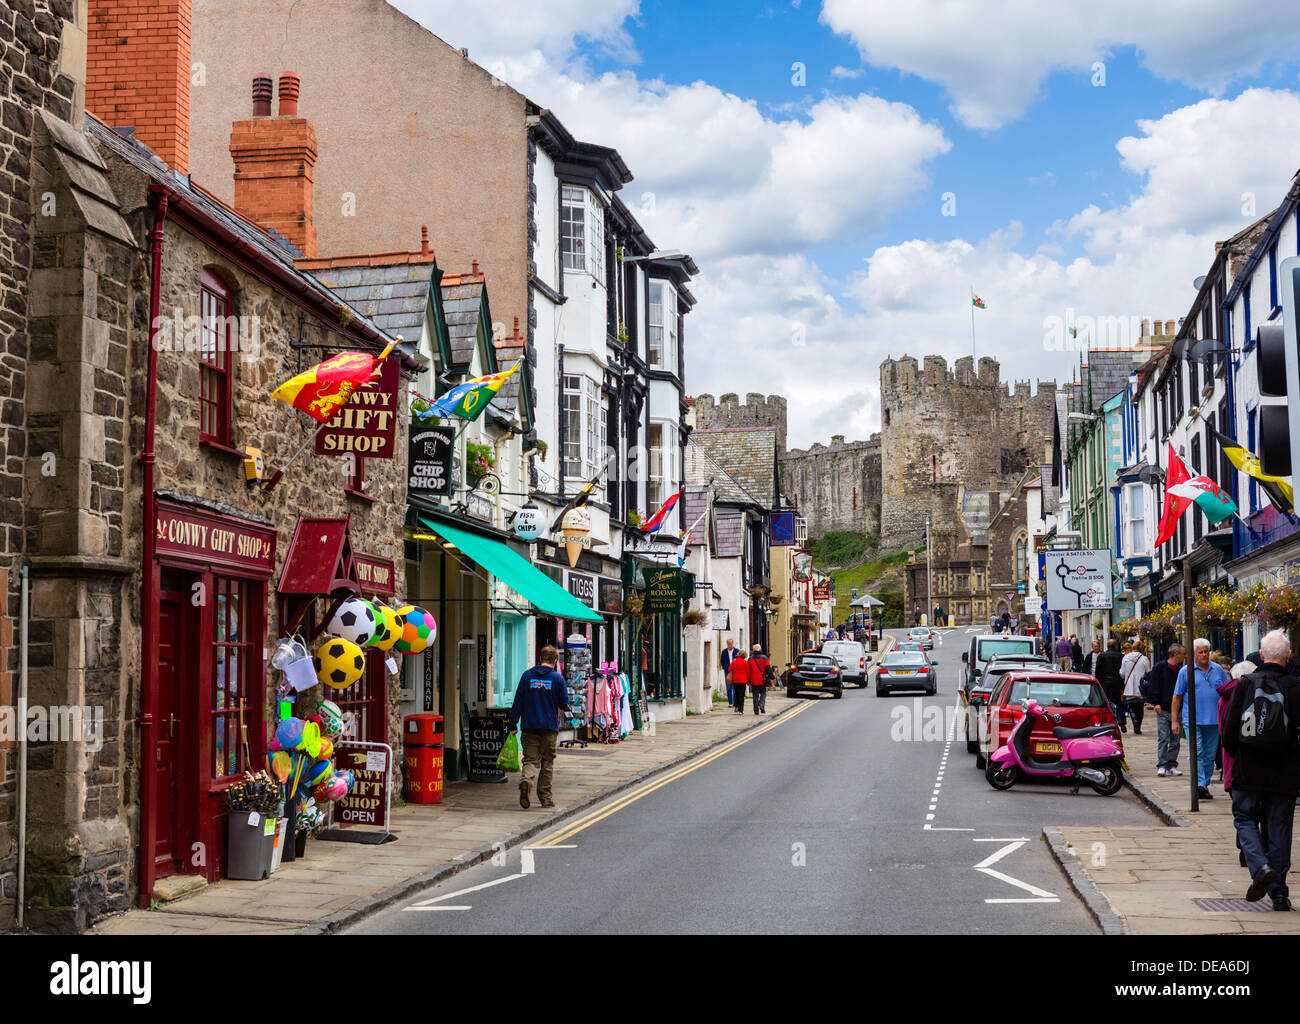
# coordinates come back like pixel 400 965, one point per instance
pixel 835 819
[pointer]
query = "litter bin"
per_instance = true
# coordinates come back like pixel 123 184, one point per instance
pixel 422 746
pixel 875 645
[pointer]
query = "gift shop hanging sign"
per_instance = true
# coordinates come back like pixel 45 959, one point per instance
pixel 211 538
pixel 375 573
pixel 367 424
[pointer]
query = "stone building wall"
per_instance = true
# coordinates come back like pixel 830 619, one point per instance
pixel 37 73
pixel 837 486
pixel 958 426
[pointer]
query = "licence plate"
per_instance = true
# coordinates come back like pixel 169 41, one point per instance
pixel 814 682
pixel 1123 764
pixel 1047 748
pixel 905 672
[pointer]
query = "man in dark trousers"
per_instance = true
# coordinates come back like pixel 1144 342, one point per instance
pixel 740 679
pixel 539 699
pixel 1107 672
pixel 1265 776
pixel 1089 666
pixel 728 656
pixel 1076 652
pixel 1164 677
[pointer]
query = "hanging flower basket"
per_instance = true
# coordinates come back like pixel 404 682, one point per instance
pixel 1280 608
pixel 693 618
pixel 1219 607
pixel 481 459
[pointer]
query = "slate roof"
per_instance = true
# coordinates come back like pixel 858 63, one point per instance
pixel 748 454
pixel 731 534
pixel 701 467
pixel 394 297
pixel 695 502
pixel 462 301
pixel 1106 372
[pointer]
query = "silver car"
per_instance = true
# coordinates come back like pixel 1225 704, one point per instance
pixel 851 657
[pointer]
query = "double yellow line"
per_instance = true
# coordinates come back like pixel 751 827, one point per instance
pixel 601 813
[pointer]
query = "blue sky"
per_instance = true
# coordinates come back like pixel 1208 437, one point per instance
pixel 815 212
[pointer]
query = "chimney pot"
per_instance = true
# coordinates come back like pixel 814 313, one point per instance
pixel 262 96
pixel 290 86
pixel 475 269
pixel 424 239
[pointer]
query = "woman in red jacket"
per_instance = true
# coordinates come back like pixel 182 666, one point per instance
pixel 758 679
pixel 739 679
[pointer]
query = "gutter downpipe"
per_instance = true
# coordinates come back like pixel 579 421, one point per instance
pixel 148 588
pixel 22 743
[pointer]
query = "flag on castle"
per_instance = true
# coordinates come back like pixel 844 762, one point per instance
pixel 977 302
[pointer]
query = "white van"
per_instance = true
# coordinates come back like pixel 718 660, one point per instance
pixel 851 657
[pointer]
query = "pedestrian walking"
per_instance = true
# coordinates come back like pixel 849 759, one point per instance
pixel 1265 769
pixel 728 656
pixel 539 699
pixel 758 671
pixel 1206 677
pixel 1064 654
pixel 1076 653
pixel 740 679
pixel 1089 661
pixel 1134 668
pixel 1164 677
pixel 1108 670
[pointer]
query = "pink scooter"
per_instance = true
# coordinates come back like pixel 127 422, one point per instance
pixel 1087 755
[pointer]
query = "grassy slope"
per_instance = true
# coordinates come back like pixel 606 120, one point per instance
pixel 881 579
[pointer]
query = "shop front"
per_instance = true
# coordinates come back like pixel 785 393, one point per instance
pixel 212 569
pixel 657 591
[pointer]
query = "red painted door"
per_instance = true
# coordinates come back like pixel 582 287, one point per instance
pixel 167 766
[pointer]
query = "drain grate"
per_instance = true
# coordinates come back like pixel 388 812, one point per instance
pixel 1232 906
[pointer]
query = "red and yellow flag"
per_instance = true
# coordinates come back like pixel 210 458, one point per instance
pixel 321 391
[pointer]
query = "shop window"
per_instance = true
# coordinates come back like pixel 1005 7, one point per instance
pixel 232 677
pixel 215 361
pixel 354 477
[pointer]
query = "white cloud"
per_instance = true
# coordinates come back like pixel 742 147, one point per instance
pixel 839 71
pixel 993 58
pixel 515 28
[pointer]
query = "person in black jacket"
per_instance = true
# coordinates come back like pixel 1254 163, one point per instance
pixel 1089 666
pixel 1106 670
pixel 1265 780
pixel 1076 653
pixel 1164 677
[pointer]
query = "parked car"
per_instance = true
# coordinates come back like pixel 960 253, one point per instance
pixel 906 670
pixel 975 695
pixel 851 657
pixel 815 673
pixel 922 635
pixel 1076 697
pixel 989 645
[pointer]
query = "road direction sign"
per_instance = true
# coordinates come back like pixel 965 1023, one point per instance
pixel 1078 580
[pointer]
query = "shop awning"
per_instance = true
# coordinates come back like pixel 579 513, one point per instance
pixel 516 572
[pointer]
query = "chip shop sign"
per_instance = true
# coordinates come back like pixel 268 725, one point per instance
pixel 367 424
pixel 215 539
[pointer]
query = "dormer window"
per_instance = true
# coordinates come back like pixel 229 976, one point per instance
pixel 582 231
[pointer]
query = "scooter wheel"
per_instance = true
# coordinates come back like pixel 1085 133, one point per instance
pixel 1001 776
pixel 1114 780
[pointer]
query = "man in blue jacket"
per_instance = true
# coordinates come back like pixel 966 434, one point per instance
pixel 539 699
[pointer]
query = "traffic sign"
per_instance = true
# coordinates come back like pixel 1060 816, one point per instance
pixel 1079 580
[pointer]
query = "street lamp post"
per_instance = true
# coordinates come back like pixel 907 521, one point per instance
pixel 929 596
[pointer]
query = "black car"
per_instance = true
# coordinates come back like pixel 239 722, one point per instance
pixel 976 694
pixel 815 673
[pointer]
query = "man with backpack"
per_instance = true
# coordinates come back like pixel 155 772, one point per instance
pixel 1260 734
pixel 539 699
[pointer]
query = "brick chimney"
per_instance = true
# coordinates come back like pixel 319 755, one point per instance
pixel 138 72
pixel 274 160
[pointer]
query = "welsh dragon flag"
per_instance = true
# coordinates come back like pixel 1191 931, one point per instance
pixel 1208 497
pixel 1175 505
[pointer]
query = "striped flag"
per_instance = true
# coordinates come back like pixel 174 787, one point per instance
pixel 468 400
pixel 657 520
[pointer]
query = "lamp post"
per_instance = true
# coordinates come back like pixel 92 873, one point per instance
pixel 929 596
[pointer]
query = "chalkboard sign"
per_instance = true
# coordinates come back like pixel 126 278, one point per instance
pixel 487 735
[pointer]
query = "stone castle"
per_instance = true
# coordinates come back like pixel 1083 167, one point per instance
pixel 938 426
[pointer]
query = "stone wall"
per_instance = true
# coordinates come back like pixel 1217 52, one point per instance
pixel 956 426
pixel 727 411
pixel 31 80
pixel 837 487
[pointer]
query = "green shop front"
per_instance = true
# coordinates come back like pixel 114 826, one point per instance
pixel 657 590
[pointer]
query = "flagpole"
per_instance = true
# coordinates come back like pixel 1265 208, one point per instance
pixel 972 323
pixel 269 486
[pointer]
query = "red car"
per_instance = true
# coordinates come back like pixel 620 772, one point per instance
pixel 1077 698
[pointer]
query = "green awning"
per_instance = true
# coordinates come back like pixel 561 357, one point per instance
pixel 516 572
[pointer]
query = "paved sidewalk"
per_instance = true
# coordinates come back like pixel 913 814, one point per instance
pixel 1150 876
pixel 337 883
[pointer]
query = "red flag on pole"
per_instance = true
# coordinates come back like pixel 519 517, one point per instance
pixel 1175 504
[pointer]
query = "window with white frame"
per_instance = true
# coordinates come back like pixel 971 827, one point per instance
pixel 662 348
pixel 663 463
pixel 582 231
pixel 584 427
pixel 1135 535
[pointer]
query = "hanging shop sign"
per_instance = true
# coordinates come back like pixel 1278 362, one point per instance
pixel 663 589
pixel 821 592
pixel 782 529
pixel 529 523
pixel 429 453
pixel 367 424
pixel 583 587
pixel 482 668
pixel 487 735
pixel 222 541
pixel 803 563
pixel 375 574
pixel 611 597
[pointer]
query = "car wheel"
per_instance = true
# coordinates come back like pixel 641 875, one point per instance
pixel 972 746
pixel 839 694
pixel 980 760
pixel 792 694
pixel 880 691
pixel 934 688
